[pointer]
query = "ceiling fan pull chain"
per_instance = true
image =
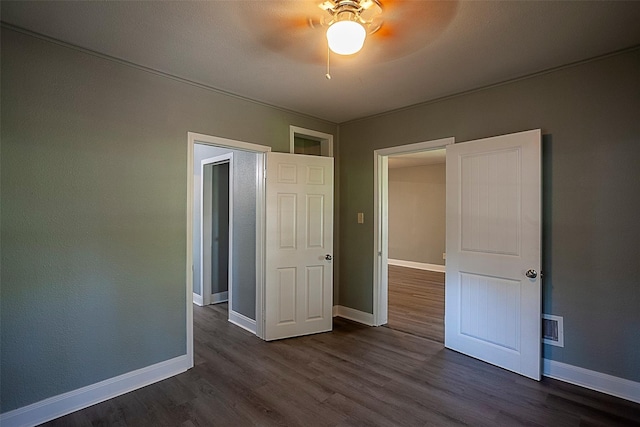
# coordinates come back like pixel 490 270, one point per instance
pixel 328 75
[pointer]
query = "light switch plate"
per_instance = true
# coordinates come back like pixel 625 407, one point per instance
pixel 360 217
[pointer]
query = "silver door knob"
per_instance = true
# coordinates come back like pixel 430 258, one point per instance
pixel 531 274
pixel 328 257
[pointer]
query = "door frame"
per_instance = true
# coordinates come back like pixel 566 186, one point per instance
pixel 217 160
pixel 381 220
pixel 192 139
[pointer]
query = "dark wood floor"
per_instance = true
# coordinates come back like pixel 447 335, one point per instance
pixel 353 376
pixel 416 302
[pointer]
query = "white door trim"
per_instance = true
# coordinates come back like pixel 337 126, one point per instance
pixel 207 297
pixel 192 139
pixel 381 220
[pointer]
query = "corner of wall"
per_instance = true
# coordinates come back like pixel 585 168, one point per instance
pixel 353 314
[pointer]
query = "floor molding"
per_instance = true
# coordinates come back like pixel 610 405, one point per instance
pixel 242 321
pixel 66 403
pixel 197 299
pixel 418 265
pixel 604 383
pixel 353 314
pixel 220 297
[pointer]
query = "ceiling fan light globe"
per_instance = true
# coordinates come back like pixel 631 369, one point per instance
pixel 346 37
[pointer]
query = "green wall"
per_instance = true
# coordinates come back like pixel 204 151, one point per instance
pixel 590 119
pixel 93 213
pixel 417 213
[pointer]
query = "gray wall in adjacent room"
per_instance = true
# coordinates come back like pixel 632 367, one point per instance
pixel 244 225
pixel 590 120
pixel 94 211
pixel 416 218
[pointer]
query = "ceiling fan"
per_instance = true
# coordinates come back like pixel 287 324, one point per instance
pixel 392 28
pixel 350 22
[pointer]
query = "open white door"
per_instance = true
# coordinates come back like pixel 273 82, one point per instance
pixel 493 286
pixel 299 245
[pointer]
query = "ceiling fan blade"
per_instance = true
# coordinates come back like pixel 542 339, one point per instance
pixel 291 28
pixel 408 27
pixel 297 29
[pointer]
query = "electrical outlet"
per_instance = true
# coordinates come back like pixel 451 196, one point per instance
pixel 360 217
pixel 444 255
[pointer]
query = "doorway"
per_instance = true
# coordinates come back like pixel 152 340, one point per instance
pixel 243 232
pixel 381 219
pixel 246 284
pixel 493 229
pixel 248 279
pixel 417 242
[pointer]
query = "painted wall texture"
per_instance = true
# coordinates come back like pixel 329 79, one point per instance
pixel 417 213
pixel 93 213
pixel 589 116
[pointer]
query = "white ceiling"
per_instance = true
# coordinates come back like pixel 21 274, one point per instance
pixel 263 50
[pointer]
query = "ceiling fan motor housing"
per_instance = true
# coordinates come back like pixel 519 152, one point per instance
pixel 354 10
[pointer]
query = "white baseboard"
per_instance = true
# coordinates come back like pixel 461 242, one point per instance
pixel 243 321
pixel 220 297
pixel 66 403
pixel 197 299
pixel 353 314
pixel 604 383
pixel 418 265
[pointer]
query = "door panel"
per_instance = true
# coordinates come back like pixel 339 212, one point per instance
pixel 286 298
pixel 493 237
pixel 286 233
pixel 299 234
pixel 492 309
pixel 315 221
pixel 490 220
pixel 315 283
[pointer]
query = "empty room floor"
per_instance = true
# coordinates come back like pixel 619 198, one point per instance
pixel 355 375
pixel 416 302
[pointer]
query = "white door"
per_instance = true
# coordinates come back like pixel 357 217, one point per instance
pixel 299 245
pixel 493 289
